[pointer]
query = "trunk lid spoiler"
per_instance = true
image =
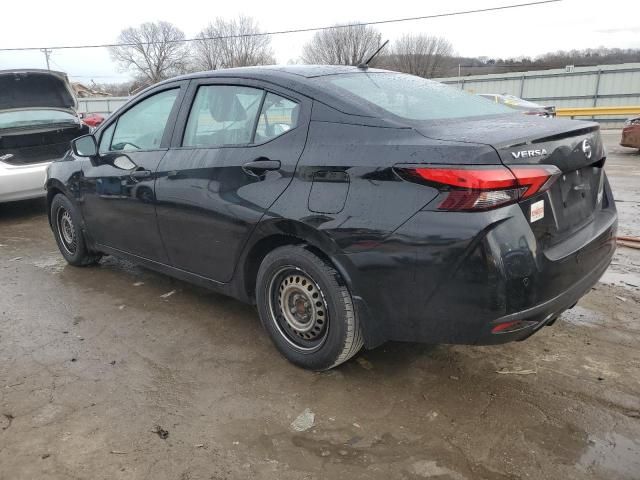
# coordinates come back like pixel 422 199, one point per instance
pixel 523 139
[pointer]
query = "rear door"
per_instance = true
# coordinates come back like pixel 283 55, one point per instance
pixel 235 152
pixel 118 187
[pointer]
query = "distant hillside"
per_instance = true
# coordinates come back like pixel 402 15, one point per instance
pixel 559 59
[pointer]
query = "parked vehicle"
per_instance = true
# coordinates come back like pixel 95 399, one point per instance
pixel 525 106
pixel 37 122
pixel 352 205
pixel 92 119
pixel 631 133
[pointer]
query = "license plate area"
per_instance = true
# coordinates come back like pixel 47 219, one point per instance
pixel 574 197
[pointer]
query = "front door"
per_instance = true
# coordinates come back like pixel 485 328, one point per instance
pixel 118 187
pixel 234 155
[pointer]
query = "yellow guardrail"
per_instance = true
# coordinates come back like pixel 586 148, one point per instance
pixel 595 111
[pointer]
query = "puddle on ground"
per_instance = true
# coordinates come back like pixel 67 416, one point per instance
pixel 583 317
pixel 614 453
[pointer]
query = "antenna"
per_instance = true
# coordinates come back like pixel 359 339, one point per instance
pixel 365 65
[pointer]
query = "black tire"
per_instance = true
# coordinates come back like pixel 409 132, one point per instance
pixel 66 224
pixel 321 329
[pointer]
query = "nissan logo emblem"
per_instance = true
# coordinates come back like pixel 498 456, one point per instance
pixel 586 148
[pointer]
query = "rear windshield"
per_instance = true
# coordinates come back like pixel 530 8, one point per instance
pixel 29 118
pixel 409 97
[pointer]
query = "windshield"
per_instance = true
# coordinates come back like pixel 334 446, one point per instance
pixel 28 118
pixel 409 97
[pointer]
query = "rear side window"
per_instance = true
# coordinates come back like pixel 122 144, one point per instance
pixel 142 126
pixel 409 97
pixel 278 116
pixel 222 115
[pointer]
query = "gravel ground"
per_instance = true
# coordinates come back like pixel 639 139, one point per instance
pixel 104 376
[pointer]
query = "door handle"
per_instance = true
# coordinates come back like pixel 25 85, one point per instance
pixel 261 165
pixel 142 173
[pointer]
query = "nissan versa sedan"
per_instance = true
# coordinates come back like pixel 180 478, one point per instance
pixel 37 122
pixel 352 206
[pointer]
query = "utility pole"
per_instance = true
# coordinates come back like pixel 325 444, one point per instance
pixel 47 53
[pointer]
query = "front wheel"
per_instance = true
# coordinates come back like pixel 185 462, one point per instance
pixel 65 222
pixel 307 309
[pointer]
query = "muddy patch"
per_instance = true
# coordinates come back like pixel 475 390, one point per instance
pixel 566 443
pixel 613 453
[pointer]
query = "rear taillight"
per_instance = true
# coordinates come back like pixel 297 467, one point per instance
pixel 471 188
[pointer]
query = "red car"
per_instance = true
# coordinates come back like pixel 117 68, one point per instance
pixel 631 133
pixel 92 119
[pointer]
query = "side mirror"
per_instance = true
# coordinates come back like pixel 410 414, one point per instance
pixel 123 163
pixel 85 146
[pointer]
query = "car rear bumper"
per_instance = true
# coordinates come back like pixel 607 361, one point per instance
pixel 22 182
pixel 528 321
pixel 455 277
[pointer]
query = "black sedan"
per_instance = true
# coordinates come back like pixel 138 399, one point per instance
pixel 353 206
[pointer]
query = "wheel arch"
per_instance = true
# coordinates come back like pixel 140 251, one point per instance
pixel 54 187
pixel 280 233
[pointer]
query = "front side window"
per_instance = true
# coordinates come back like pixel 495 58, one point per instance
pixel 409 97
pixel 105 139
pixel 278 116
pixel 222 115
pixel 142 126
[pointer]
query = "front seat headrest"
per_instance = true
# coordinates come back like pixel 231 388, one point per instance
pixel 224 106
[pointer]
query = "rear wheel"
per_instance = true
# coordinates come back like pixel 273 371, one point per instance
pixel 65 221
pixel 307 309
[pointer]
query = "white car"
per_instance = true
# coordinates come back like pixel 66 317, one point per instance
pixel 38 119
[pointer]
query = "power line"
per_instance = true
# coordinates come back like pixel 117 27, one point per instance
pixel 527 65
pixel 296 30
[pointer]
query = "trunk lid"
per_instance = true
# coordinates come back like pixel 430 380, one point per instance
pixel 20 89
pixel 575 147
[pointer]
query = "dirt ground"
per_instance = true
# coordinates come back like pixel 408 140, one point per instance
pixel 98 364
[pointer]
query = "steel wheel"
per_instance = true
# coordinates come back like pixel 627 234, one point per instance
pixel 66 231
pixel 299 308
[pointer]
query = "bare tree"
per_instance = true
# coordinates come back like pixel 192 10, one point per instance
pixel 232 43
pixel 347 45
pixel 153 50
pixel 420 55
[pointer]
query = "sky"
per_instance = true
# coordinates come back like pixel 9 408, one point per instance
pixel 526 31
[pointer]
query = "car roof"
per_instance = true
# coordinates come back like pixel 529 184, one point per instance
pixel 293 77
pixel 283 71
